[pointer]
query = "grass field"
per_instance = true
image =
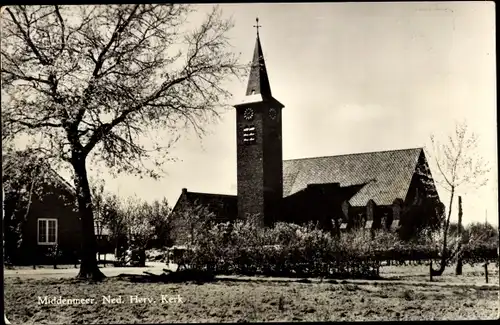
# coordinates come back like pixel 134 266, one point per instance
pixel 252 301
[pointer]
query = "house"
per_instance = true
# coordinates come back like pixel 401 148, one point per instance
pixel 46 217
pixel 369 190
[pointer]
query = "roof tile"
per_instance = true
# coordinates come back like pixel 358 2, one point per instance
pixel 386 175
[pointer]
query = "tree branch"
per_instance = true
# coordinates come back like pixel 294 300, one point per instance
pixel 100 61
pixel 26 78
pixel 61 22
pixel 42 58
pixel 36 125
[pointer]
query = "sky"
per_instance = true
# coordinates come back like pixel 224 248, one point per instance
pixel 354 77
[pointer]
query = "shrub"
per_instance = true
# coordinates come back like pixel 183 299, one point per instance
pixel 481 252
pixel 305 251
pixel 286 250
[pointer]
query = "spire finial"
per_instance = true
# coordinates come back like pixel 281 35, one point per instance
pixel 257 25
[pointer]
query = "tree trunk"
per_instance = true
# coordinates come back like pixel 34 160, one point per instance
pixel 458 270
pixel 88 267
pixel 444 256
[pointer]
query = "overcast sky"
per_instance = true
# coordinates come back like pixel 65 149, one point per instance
pixel 354 77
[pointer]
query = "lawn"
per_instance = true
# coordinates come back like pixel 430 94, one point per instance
pixel 253 301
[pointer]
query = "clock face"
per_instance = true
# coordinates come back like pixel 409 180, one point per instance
pixel 248 114
pixel 273 113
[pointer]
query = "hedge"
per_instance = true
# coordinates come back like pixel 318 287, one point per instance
pixel 305 251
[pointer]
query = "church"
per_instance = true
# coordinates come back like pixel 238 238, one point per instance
pixel 368 190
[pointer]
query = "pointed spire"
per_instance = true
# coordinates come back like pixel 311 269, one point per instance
pixel 258 82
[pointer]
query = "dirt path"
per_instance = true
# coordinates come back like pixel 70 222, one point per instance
pixel 157 268
pixel 153 267
pixel 492 286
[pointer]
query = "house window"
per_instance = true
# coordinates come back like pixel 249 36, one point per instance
pixel 47 231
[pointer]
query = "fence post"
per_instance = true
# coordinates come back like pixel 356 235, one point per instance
pixel 55 253
pixel 430 271
pixel 486 271
pixel 458 270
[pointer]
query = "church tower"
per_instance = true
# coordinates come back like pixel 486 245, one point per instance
pixel 259 146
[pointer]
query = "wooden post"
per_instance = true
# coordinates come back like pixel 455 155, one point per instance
pixel 430 271
pixel 458 270
pixel 486 271
pixel 55 252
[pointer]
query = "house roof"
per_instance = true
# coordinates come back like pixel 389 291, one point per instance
pixel 385 175
pixel 8 167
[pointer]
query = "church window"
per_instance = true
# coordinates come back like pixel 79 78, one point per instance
pixel 249 136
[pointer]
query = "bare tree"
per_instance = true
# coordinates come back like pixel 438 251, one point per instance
pixel 460 166
pixel 140 230
pixel 160 218
pixel 105 207
pixel 187 221
pixel 141 224
pixel 91 82
pixel 113 219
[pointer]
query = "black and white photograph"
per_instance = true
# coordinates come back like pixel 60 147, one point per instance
pixel 249 162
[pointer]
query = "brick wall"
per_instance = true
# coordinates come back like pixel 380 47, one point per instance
pixel 260 165
pixel 250 167
pixel 273 167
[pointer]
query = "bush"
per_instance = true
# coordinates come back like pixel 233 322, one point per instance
pixel 306 251
pixel 284 250
pixel 475 253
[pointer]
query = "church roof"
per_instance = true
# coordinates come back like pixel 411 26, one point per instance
pixel 224 206
pixel 258 87
pixel 386 175
pixel 258 81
